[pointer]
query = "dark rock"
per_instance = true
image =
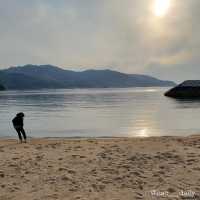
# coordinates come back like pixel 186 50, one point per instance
pixel 2 87
pixel 187 89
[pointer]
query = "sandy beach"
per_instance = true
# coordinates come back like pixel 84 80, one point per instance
pixel 95 169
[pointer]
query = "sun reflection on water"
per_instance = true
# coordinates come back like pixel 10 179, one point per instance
pixel 142 133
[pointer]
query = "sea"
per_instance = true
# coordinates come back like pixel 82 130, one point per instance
pixel 118 112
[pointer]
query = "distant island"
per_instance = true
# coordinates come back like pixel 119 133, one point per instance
pixel 48 76
pixel 188 89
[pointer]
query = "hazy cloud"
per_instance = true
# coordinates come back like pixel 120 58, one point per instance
pixel 121 34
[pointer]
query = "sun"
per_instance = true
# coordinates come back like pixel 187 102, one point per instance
pixel 161 7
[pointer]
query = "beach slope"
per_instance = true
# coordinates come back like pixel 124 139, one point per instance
pixel 95 169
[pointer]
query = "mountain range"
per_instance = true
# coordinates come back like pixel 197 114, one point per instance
pixel 48 76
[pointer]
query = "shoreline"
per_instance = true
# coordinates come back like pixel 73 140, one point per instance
pixel 96 138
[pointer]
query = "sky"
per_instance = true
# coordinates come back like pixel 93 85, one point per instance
pixel 123 35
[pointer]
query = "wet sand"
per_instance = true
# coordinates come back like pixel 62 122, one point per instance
pixel 100 169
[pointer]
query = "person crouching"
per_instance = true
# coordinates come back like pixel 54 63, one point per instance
pixel 18 123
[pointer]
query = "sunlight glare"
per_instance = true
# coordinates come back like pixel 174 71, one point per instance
pixel 143 133
pixel 161 7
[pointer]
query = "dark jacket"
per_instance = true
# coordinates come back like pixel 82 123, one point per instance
pixel 18 121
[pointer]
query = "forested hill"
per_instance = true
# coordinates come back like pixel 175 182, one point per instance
pixel 48 76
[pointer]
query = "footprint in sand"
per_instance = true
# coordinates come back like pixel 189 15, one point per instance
pixel 71 171
pixel 39 147
pixel 2 175
pixel 62 169
pixel 39 157
pixel 139 196
pixel 196 168
pixel 66 178
pixel 171 190
pixel 15 158
pixel 191 161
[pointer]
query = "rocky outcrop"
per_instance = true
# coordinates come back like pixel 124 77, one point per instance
pixel 2 87
pixel 187 89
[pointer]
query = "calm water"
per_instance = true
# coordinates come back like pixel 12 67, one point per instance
pixel 102 112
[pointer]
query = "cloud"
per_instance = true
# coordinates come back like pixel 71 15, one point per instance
pixel 123 35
